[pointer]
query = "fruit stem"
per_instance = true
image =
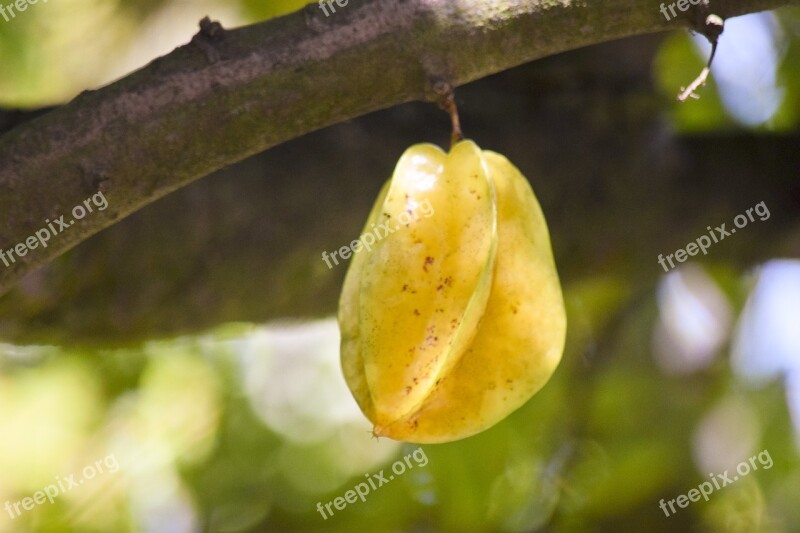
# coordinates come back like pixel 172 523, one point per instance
pixel 447 102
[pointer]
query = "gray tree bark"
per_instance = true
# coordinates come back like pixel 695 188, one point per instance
pixel 245 244
pixel 231 94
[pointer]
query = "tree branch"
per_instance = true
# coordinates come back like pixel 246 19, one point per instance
pixel 230 94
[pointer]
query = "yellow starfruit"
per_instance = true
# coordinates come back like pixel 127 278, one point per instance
pixel 451 322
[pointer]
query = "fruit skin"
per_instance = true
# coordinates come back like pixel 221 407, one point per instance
pixel 452 322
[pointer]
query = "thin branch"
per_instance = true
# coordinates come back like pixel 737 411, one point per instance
pixel 712 29
pixel 232 93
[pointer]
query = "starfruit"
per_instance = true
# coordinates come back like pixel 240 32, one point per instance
pixel 451 322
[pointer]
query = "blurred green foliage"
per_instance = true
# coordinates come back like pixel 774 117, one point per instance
pixel 247 428
pixel 260 10
pixel 51 52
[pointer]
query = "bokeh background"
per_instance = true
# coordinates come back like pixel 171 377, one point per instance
pixel 194 341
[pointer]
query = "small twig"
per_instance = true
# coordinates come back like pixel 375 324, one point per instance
pixel 447 102
pixel 712 28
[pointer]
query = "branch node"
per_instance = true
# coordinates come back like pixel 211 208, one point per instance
pixel 94 180
pixel 211 29
pixel 211 33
